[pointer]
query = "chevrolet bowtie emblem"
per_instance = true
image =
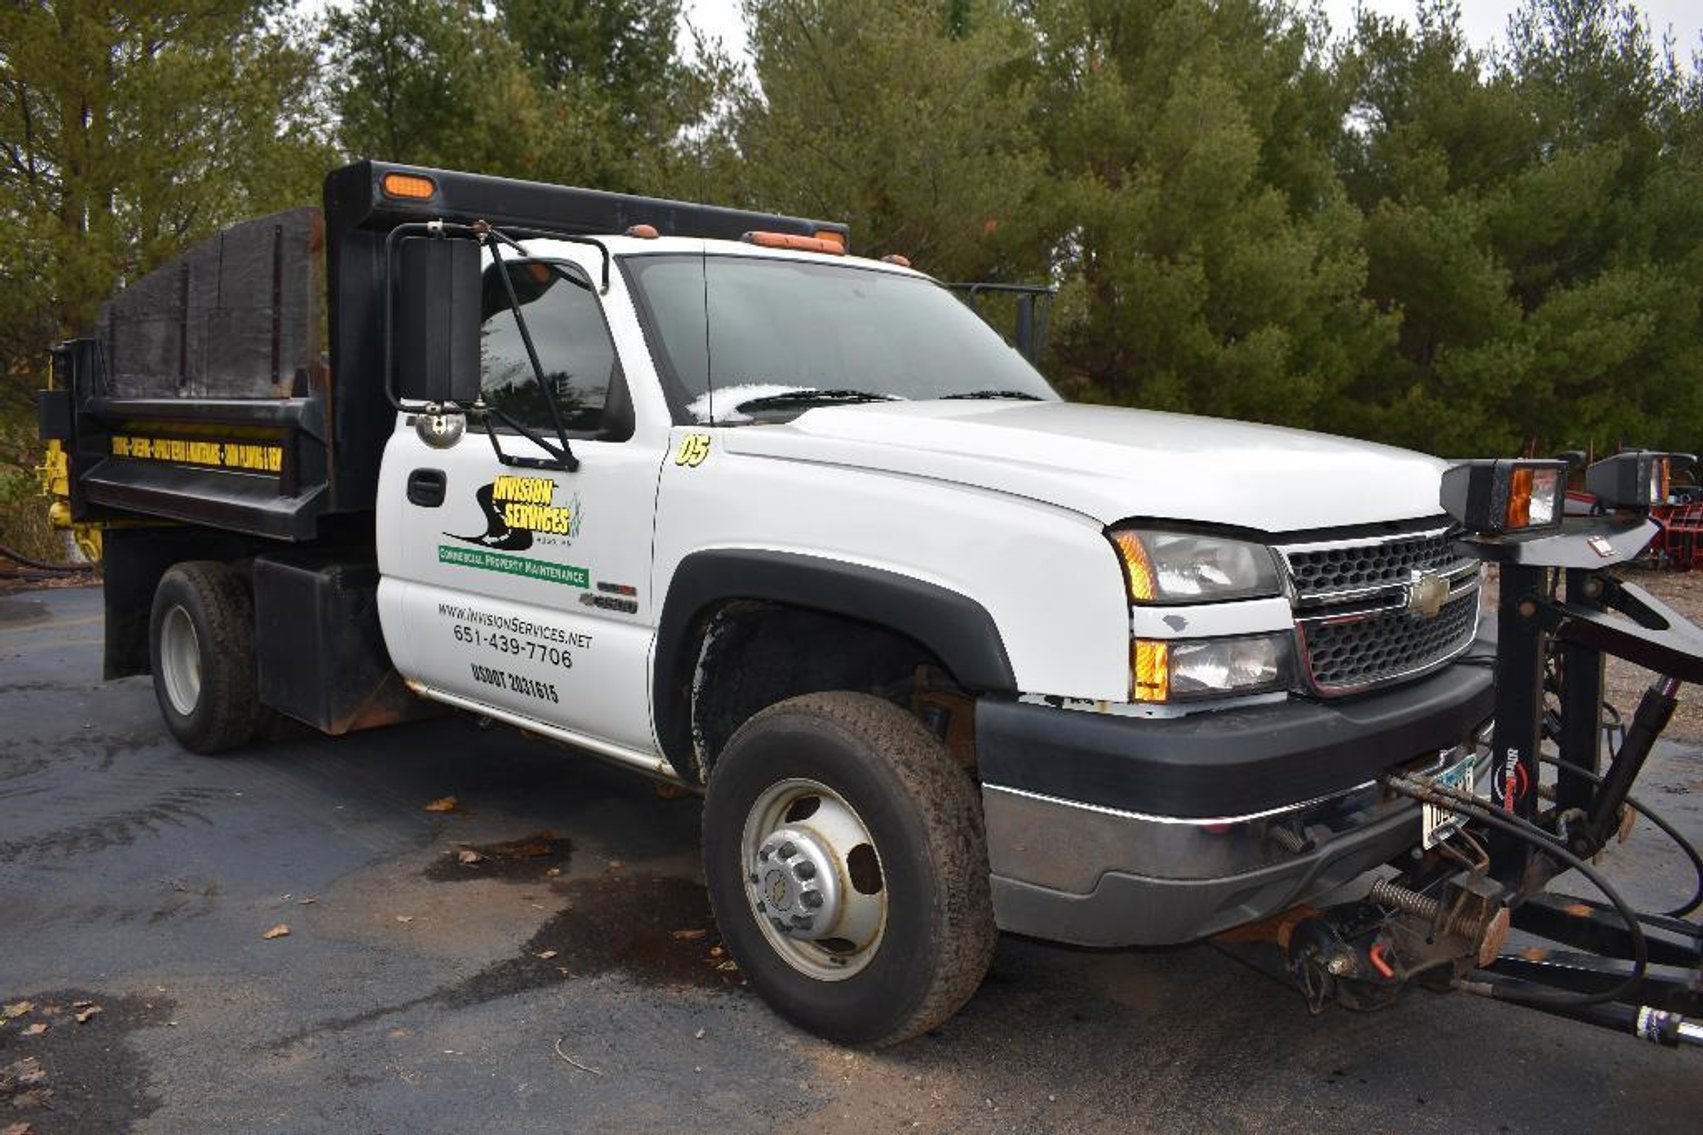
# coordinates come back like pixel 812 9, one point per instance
pixel 1426 592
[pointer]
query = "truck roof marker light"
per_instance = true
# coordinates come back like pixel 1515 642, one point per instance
pixel 1150 670
pixel 1138 569
pixel 1496 495
pixel 832 237
pixel 796 243
pixel 896 258
pixel 643 232
pixel 410 186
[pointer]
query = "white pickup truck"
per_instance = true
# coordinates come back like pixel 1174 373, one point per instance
pixel 702 494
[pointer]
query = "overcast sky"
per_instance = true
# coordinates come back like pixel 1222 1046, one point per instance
pixel 1484 20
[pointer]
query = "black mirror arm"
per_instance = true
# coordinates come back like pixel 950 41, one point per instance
pixel 559 456
pixel 562 452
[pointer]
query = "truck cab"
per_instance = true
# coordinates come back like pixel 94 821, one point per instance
pixel 704 494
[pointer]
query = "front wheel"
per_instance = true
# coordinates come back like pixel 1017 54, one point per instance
pixel 846 862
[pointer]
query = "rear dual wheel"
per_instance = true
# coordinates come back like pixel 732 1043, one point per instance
pixel 846 862
pixel 201 646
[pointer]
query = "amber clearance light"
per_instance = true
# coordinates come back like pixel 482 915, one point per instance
pixel 409 186
pixel 818 243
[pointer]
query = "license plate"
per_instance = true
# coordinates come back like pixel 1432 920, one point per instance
pixel 1436 823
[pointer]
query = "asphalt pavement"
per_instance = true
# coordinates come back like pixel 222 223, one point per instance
pixel 537 955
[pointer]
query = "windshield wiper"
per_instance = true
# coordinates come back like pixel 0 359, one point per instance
pixel 799 397
pixel 1018 395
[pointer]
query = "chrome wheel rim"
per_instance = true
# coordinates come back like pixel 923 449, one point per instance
pixel 814 879
pixel 180 661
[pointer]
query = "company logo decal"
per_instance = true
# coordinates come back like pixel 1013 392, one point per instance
pixel 518 509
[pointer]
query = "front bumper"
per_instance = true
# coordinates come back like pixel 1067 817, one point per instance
pixel 1115 831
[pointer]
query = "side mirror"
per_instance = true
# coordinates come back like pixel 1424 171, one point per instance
pixel 438 320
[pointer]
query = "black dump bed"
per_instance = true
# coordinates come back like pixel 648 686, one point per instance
pixel 210 393
pixel 201 394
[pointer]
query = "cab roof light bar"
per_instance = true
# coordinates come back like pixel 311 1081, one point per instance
pixel 373 194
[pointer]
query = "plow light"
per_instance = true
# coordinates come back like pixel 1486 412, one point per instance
pixel 1499 495
pixel 1635 479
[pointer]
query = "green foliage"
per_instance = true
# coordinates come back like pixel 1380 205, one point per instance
pixel 130 129
pixel 1211 258
pixel 884 113
pixel 571 91
pixel 23 511
pixel 1387 234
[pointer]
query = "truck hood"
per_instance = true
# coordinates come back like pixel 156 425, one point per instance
pixel 1112 463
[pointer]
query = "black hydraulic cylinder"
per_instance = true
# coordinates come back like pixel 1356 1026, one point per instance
pixel 1654 710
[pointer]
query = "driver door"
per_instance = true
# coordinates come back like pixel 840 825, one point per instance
pixel 524 585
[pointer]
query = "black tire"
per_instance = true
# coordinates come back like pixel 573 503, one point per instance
pixel 923 818
pixel 202 615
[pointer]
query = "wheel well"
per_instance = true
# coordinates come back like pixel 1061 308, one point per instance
pixel 751 654
pixel 132 562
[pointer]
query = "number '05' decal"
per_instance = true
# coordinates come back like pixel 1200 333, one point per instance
pixel 693 449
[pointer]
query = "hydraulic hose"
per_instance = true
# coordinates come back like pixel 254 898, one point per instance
pixel 1537 837
pixel 38 565
pixel 1655 818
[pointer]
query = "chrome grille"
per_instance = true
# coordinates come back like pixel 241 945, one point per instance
pixel 1352 608
pixel 1349 653
pixel 1320 571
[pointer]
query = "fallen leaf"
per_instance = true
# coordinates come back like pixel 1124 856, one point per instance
pixel 689 935
pixel 716 951
pixel 23 1128
pixel 728 966
pixel 306 902
pixel 404 918
pixel 16 1009
pixel 547 954
pixel 81 1004
pixel 699 1035
pixel 35 1030
pixel 23 1072
pixel 467 855
pixel 553 872
pixel 278 931
pixel 443 804
pixel 88 1014
pixel 614 864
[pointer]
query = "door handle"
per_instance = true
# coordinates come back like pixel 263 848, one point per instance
pixel 425 487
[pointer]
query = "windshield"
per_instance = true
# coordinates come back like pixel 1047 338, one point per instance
pixel 743 338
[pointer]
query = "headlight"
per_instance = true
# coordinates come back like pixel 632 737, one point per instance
pixel 1173 567
pixel 1167 670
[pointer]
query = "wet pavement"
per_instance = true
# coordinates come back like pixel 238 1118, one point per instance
pixel 540 957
